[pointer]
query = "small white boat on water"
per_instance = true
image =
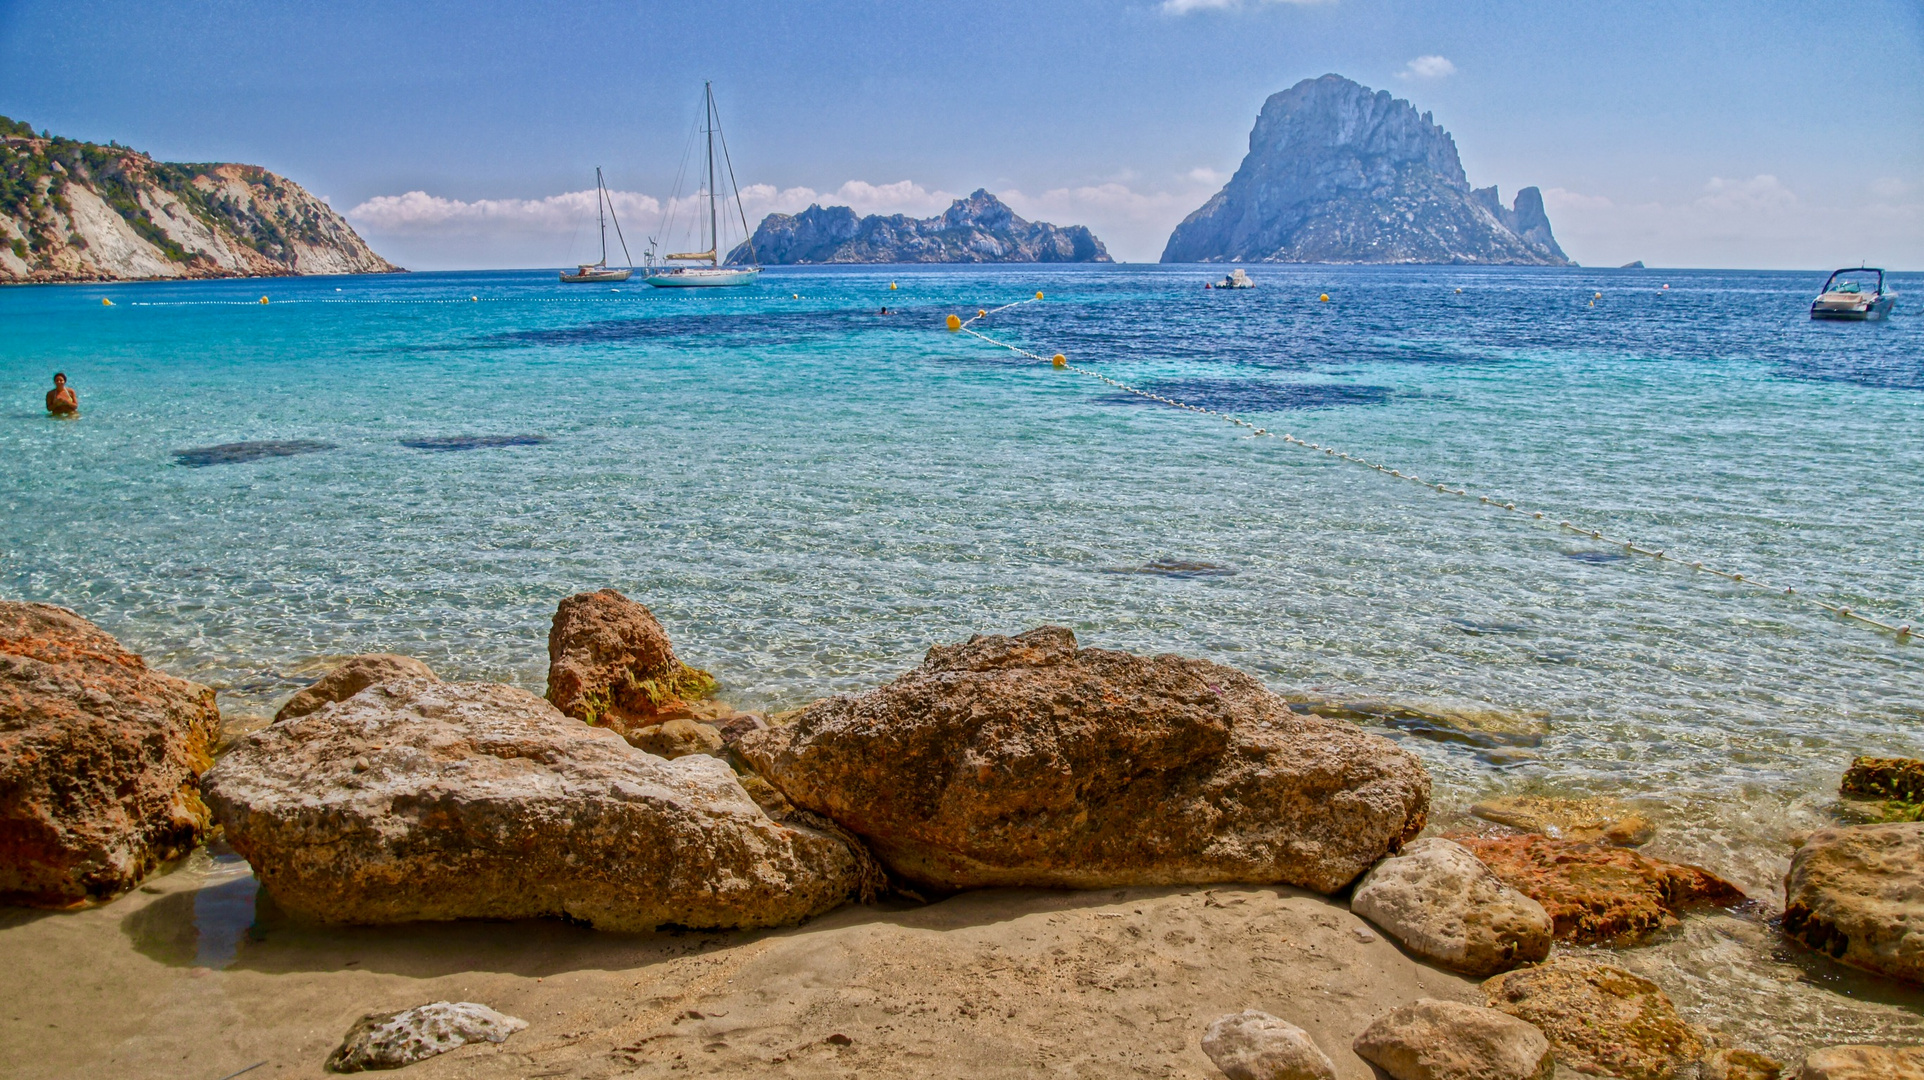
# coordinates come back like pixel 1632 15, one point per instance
pixel 1236 280
pixel 1858 295
pixel 588 273
pixel 715 275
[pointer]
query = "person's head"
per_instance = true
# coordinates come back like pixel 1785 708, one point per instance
pixel 59 380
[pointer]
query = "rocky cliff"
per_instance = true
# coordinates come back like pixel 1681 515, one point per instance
pixel 1339 173
pixel 978 229
pixel 79 211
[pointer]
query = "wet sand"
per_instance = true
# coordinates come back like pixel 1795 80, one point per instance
pixel 987 984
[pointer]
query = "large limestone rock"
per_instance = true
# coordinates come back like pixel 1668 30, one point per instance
pixel 1600 1020
pixel 391 1040
pixel 100 759
pixel 1339 173
pixel 417 799
pixel 1028 761
pixel 1856 1062
pixel 978 229
pixel 1253 1045
pixel 1432 1039
pixel 1444 905
pixel 350 677
pixel 1857 893
pixel 610 663
pixel 1598 894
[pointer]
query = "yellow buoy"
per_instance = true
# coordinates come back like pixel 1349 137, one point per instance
pixel 1323 298
pixel 980 314
pixel 474 299
pixel 1059 360
pixel 955 322
pixel 1038 296
pixel 1459 290
pixel 795 296
pixel 1599 296
pixel 891 284
pixel 104 302
pixel 263 299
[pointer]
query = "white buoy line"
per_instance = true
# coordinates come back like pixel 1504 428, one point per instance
pixel 1902 633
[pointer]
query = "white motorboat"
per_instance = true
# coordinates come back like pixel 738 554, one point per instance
pixel 665 275
pixel 1236 280
pixel 588 273
pixel 1858 295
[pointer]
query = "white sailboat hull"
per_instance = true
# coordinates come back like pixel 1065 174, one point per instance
pixel 589 275
pixel 703 277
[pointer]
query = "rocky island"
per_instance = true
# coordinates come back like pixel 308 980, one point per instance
pixel 1338 173
pixel 80 211
pixel 978 229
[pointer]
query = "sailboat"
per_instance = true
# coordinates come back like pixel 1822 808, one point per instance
pixel 664 276
pixel 601 271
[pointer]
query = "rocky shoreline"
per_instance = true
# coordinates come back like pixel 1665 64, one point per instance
pixel 1199 817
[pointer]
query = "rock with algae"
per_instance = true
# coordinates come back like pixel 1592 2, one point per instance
pixel 391 1040
pixel 1432 1039
pixel 610 664
pixel 1599 1019
pixel 1857 893
pixel 1592 821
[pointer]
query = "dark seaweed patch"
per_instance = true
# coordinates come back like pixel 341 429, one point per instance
pixel 472 442
pixel 1244 395
pixel 234 453
pixel 1477 629
pixel 1176 568
pixel 1595 556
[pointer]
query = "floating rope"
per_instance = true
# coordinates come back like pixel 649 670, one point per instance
pixel 1901 632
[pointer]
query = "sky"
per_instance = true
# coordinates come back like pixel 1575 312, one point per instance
pixel 466 135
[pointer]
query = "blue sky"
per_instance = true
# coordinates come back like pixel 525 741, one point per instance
pixel 1703 134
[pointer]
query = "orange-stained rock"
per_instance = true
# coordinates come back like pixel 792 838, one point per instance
pixel 350 677
pixel 610 664
pixel 1027 761
pixel 100 759
pixel 1600 894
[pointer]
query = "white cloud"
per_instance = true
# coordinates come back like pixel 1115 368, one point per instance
pixel 1760 221
pixel 1133 224
pixel 1185 7
pixel 419 212
pixel 900 197
pixel 1427 67
pixel 1203 174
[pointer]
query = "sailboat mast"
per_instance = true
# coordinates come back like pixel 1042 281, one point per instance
pixel 600 190
pixel 714 235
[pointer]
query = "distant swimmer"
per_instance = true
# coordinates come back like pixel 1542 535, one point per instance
pixel 61 400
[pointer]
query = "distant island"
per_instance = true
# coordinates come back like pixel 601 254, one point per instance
pixel 978 229
pixel 1338 173
pixel 80 211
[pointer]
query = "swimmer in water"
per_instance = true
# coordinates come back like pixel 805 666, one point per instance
pixel 61 400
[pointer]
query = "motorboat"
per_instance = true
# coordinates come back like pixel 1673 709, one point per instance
pixel 664 275
pixel 1858 295
pixel 588 273
pixel 1236 280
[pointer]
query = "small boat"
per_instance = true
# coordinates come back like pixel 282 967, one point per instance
pixel 1236 280
pixel 601 271
pixel 1858 295
pixel 714 275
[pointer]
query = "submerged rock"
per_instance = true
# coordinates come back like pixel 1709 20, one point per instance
pixel 1432 1039
pixel 1884 789
pixel 391 1040
pixel 1441 719
pixel 1590 821
pixel 1444 905
pixel 1864 1063
pixel 1857 894
pixel 416 799
pixel 100 759
pixel 350 677
pixel 1253 1045
pixel 1027 761
pixel 239 452
pixel 1598 894
pixel 610 663
pixel 1599 1019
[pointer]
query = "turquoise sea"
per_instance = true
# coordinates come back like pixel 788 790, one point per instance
pixel 809 494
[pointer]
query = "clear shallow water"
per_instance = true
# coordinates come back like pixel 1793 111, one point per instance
pixel 809 494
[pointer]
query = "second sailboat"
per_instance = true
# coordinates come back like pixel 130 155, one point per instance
pixel 665 276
